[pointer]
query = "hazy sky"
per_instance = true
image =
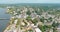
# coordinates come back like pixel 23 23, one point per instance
pixel 28 1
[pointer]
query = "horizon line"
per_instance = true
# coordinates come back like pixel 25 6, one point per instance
pixel 29 3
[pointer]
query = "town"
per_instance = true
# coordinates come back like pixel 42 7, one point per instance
pixel 29 19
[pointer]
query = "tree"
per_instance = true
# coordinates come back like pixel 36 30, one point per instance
pixel 28 18
pixel 35 21
pixel 42 19
pixel 55 25
pixel 50 18
pixel 28 12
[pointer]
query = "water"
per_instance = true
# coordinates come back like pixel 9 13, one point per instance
pixel 3 23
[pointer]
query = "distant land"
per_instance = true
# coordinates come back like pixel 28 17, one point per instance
pixel 55 5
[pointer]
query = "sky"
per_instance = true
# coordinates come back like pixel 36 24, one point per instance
pixel 28 1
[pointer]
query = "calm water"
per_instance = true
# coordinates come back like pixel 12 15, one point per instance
pixel 3 23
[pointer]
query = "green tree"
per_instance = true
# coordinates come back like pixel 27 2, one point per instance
pixel 42 19
pixel 35 21
pixel 28 18
pixel 28 12
pixel 55 25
